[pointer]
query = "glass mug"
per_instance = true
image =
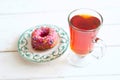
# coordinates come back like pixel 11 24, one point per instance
pixel 84 25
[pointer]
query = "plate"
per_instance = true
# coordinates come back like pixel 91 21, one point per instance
pixel 26 51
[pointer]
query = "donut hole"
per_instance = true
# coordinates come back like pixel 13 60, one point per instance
pixel 44 32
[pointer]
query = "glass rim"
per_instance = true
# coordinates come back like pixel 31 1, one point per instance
pixel 101 21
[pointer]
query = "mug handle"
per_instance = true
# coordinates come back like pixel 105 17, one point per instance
pixel 100 48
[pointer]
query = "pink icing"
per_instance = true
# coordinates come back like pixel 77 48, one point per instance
pixel 44 38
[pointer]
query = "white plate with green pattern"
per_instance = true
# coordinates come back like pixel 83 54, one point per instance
pixel 26 51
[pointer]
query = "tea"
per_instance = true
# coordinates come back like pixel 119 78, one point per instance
pixel 85 22
pixel 83 30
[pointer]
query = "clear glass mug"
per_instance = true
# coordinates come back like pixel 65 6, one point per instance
pixel 84 25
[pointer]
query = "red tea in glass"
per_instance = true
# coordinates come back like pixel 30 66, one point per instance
pixel 83 30
pixel 84 25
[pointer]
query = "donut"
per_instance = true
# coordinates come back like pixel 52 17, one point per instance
pixel 44 38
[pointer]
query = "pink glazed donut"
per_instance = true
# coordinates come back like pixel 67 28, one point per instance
pixel 44 38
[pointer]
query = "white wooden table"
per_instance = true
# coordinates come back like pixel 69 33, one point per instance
pixel 17 16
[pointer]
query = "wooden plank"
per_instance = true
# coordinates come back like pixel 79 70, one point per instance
pixel 113 77
pixel 12 66
pixel 45 5
pixel 83 78
pixel 109 9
